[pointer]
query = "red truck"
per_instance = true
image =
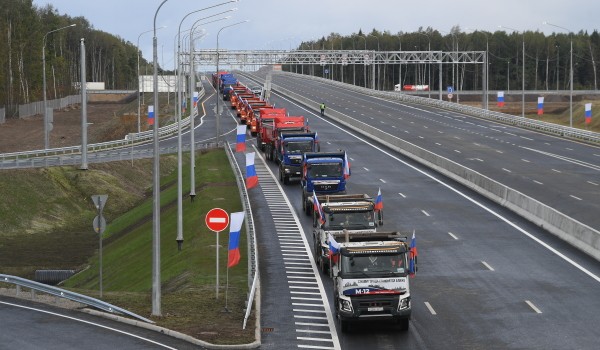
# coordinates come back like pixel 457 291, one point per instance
pixel 236 99
pixel 270 133
pixel 247 106
pixel 253 114
pixel 267 116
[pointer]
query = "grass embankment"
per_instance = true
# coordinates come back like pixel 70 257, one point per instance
pixel 189 304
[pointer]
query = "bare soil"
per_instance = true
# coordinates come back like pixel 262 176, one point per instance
pixel 28 133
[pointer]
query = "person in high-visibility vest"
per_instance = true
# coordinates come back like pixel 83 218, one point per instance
pixel 322 109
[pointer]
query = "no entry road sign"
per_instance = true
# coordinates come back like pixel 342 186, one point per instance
pixel 217 219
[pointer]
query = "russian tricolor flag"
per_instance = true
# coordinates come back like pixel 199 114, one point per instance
pixel 412 267
pixel 588 113
pixel 500 98
pixel 195 100
pixel 540 109
pixel 378 201
pixel 233 256
pixel 346 166
pixel 334 247
pixel 183 106
pixel 150 115
pixel 317 208
pixel 240 142
pixel 251 177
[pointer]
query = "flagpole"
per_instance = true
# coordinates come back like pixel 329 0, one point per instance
pixel 227 290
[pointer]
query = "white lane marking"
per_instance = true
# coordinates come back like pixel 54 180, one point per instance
pixel 525 160
pixel 352 159
pixel 592 183
pixel 457 151
pixel 365 169
pixel 472 200
pixel 508 171
pixel 570 149
pixel 526 138
pixel 499 151
pixel 437 143
pixel 557 171
pixel 382 180
pixel 87 322
pixel 424 212
pixel 421 137
pixel 402 195
pixel 533 307
pixel 572 196
pixel 487 265
pixel 452 235
pixel 537 182
pixel 430 308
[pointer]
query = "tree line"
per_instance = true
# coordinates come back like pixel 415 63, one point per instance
pixel 23 26
pixel 547 58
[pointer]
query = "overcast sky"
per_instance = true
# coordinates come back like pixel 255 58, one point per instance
pixel 281 24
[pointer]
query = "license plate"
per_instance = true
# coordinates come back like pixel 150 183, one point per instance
pixel 377 308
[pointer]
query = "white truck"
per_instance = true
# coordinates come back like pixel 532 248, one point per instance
pixel 370 274
pixel 354 213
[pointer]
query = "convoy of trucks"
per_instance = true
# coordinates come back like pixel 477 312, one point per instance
pixel 369 268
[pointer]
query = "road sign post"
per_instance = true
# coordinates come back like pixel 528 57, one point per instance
pixel 99 225
pixel 217 220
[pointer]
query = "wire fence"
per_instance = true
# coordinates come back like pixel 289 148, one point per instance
pixel 30 109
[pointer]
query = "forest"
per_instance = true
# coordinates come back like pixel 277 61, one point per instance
pixel 24 27
pixel 547 58
pixel 26 30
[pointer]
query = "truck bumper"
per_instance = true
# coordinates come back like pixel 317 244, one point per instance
pixel 375 309
pixel 292 171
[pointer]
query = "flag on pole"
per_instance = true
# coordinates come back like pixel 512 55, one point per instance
pixel 412 267
pixel 317 208
pixel 150 115
pixel 346 166
pixel 240 145
pixel 378 201
pixel 540 109
pixel 251 177
pixel 500 98
pixel 588 113
pixel 233 256
pixel 195 100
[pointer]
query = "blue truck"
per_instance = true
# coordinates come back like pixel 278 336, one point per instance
pixel 290 148
pixel 322 173
pixel 226 84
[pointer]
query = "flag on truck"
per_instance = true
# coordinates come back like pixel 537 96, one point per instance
pixel 233 256
pixel 334 247
pixel 251 177
pixel 346 166
pixel 588 113
pixel 540 109
pixel 317 208
pixel 378 201
pixel 412 256
pixel 150 115
pixel 240 142
pixel 500 98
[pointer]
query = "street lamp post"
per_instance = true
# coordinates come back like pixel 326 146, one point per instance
pixel 486 72
pixel 429 65
pixel 46 122
pixel 217 94
pixel 570 73
pixel 365 64
pixel 373 79
pixel 156 291
pixel 522 71
pixel 400 63
pixel 138 76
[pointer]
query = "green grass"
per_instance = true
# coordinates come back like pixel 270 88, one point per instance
pixel 188 277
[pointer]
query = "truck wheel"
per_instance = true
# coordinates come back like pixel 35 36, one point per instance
pixel 323 265
pixel 286 180
pixel 253 133
pixel 258 143
pixel 403 324
pixel 344 325
pixel 307 207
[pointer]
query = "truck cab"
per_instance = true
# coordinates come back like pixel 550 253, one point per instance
pixel 322 173
pixel 290 149
pixel 371 279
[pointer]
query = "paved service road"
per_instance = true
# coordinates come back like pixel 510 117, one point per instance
pixel 31 326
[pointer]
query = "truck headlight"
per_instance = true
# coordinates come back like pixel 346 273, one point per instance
pixel 345 305
pixel 404 303
pixel 286 170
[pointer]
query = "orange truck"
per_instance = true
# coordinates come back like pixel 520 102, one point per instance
pixel 246 107
pixel 236 97
pixel 270 133
pixel 267 116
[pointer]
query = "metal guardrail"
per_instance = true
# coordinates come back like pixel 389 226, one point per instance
pixel 137 138
pixel 550 128
pixel 63 293
pixel 253 272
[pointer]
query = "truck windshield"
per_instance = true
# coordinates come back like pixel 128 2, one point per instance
pixel 361 220
pixel 325 170
pixel 298 146
pixel 374 265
